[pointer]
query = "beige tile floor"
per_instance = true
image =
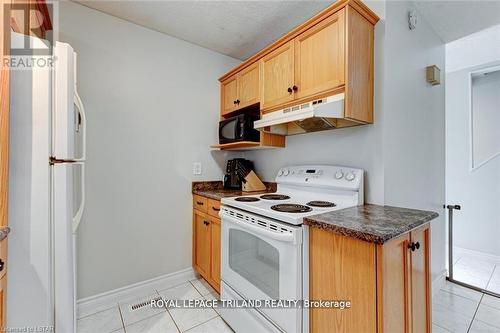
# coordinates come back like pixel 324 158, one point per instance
pixel 455 309
pixel 122 318
pixel 477 269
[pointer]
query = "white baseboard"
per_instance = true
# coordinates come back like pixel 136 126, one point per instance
pixel 110 298
pixel 438 282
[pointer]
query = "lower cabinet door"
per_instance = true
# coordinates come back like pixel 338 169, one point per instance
pixel 216 252
pixel 420 280
pixel 393 285
pixel 3 302
pixel 201 229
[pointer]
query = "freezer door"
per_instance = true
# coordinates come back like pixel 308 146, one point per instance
pixel 63 202
pixel 68 115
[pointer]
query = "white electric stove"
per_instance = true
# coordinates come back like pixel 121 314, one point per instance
pixel 265 246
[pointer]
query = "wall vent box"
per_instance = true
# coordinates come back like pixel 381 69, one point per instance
pixel 433 75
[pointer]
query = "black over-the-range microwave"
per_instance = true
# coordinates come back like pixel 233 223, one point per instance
pixel 238 128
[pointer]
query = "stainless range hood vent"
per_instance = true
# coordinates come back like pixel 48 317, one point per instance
pixel 318 115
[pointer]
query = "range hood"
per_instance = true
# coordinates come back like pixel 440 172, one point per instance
pixel 318 115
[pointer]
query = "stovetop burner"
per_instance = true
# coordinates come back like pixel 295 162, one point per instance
pixel 291 208
pixel 274 197
pixel 247 199
pixel 322 204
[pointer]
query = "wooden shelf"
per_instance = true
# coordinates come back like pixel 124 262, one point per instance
pixel 242 145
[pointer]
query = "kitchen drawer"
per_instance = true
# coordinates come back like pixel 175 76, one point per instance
pixel 200 203
pixel 213 207
pixel 3 257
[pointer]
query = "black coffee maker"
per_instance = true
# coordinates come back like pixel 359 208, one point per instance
pixel 236 171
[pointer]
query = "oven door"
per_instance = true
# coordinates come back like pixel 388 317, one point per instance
pixel 262 264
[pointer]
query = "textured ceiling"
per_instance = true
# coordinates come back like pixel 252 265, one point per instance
pixel 241 28
pixel 452 20
pixel 235 28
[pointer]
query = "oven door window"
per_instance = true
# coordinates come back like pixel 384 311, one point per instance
pixel 228 131
pixel 255 260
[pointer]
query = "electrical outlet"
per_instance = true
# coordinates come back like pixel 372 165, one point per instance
pixel 196 168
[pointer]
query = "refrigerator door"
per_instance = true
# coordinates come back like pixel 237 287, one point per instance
pixel 68 118
pixel 63 207
pixel 29 294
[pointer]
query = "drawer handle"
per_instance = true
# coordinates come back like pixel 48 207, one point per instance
pixel 216 209
pixel 199 203
pixel 2 265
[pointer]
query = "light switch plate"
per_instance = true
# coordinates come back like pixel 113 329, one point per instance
pixel 196 168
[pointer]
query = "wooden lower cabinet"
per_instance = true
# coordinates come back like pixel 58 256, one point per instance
pixel 206 240
pixel 388 285
pixel 3 302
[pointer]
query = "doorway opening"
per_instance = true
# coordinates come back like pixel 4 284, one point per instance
pixel 473 177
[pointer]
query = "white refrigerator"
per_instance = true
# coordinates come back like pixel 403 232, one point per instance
pixel 46 191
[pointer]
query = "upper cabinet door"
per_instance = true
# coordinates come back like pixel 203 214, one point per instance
pixel 277 77
pixel 319 57
pixel 248 86
pixel 229 91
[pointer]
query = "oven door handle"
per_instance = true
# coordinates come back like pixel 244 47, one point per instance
pixel 283 237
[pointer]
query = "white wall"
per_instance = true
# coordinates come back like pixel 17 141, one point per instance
pixel 477 49
pixel 149 98
pixel 477 225
pixel 414 127
pixel 403 151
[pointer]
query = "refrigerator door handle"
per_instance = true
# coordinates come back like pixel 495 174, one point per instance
pixel 81 112
pixel 79 213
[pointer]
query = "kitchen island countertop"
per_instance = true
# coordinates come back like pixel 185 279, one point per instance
pixel 371 223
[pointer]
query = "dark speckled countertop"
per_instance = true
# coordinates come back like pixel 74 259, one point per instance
pixel 215 190
pixel 371 223
pixel 4 231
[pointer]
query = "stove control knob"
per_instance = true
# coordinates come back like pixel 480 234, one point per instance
pixel 350 176
pixel 280 173
pixel 286 172
pixel 339 174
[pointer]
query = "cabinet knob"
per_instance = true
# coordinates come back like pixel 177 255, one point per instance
pixel 413 246
pixel 2 265
pixel 290 90
pixel 234 102
pixel 417 245
pixel 206 222
pixel 295 88
pixel 237 101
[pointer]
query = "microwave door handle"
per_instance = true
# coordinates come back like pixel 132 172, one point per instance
pixel 282 237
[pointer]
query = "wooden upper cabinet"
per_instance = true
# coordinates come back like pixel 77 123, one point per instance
pixel 248 86
pixel 319 57
pixel 229 90
pixel 277 76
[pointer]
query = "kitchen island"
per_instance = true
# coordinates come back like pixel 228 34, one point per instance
pixel 376 257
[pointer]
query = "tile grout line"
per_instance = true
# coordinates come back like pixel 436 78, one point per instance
pixel 447 330
pixel 168 311
pixel 475 312
pixel 121 317
pixel 218 316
